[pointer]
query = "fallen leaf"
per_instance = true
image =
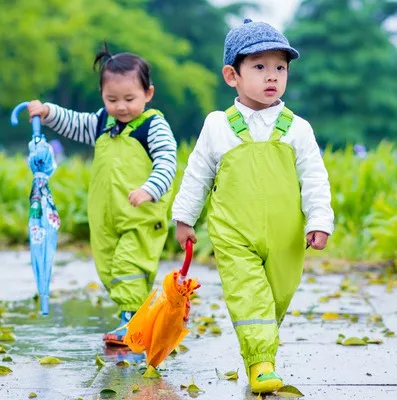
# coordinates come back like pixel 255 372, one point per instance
pixel 354 341
pixel 7 359
pixel 340 339
pixel 50 360
pixel 330 316
pixel 2 349
pixel 151 373
pixel 135 388
pixel 375 341
pixel 215 306
pixel 6 337
pixel 216 330
pixel 295 313
pixel 289 392
pixel 123 364
pixel 99 362
pixel 230 375
pixel 5 370
pixel 32 395
pixel 107 393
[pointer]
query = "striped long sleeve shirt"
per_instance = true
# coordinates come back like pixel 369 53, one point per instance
pixel 83 127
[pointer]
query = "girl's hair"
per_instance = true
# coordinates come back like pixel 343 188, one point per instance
pixel 121 63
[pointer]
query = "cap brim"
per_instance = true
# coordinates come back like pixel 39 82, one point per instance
pixel 266 46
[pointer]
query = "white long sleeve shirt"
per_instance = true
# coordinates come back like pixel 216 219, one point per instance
pixel 217 138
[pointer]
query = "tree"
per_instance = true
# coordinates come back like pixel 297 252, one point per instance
pixel 345 82
pixel 47 48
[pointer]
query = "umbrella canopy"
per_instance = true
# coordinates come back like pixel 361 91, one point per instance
pixel 43 216
pixel 160 324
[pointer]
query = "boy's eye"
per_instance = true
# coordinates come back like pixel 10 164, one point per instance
pixel 259 66
pixel 280 68
pixel 129 99
pixel 111 100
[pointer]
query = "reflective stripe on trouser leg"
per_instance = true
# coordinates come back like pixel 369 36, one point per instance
pixel 135 266
pixel 249 300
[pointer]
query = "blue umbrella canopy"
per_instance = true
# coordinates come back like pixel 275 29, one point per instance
pixel 44 220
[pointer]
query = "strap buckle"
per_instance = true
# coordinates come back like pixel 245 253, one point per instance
pixel 283 122
pixel 237 122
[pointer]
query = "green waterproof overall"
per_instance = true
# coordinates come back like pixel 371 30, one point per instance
pixel 256 226
pixel 126 241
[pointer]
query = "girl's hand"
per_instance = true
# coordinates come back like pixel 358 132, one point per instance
pixel 183 233
pixel 139 196
pixel 317 240
pixel 36 107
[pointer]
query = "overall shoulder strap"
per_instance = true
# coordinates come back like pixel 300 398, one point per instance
pixel 283 123
pixel 137 122
pixel 238 124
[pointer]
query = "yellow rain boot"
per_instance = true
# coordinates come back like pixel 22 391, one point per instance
pixel 263 378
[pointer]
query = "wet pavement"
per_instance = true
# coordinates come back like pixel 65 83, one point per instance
pixel 325 306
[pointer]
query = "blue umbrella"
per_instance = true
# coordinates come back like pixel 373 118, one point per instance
pixel 43 216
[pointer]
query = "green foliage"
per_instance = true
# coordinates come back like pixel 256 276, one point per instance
pixel 47 50
pixel 364 198
pixel 344 84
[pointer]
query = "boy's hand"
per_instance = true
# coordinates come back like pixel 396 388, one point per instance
pixel 36 107
pixel 139 196
pixel 183 233
pixel 317 240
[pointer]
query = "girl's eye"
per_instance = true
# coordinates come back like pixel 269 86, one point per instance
pixel 111 100
pixel 129 100
pixel 280 68
pixel 259 66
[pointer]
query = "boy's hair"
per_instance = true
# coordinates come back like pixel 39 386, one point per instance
pixel 254 37
pixel 241 57
pixel 121 63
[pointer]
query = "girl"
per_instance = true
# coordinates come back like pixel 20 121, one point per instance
pixel 133 170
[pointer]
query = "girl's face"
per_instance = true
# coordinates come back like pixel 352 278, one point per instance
pixel 124 96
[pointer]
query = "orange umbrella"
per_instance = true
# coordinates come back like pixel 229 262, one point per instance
pixel 160 324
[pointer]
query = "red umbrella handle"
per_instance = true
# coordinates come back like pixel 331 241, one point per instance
pixel 188 259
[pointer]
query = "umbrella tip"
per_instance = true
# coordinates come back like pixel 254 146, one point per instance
pixel 44 302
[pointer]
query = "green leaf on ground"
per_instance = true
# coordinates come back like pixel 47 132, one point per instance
pixel 354 341
pixel 7 359
pixel 216 330
pixel 5 370
pixel 191 387
pixel 152 373
pixel 6 337
pixel 340 339
pixel 375 341
pixel 123 364
pixel 107 393
pixel 135 388
pixel 289 392
pixel 99 362
pixel 230 375
pixel 2 349
pixel 50 361
pixel 32 395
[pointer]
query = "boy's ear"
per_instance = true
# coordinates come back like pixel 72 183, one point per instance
pixel 229 75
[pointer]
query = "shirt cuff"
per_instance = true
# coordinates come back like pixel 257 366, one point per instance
pixel 319 225
pixel 147 187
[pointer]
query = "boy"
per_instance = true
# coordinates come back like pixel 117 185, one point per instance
pixel 265 175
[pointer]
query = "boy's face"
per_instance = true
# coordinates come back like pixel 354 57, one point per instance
pixel 262 79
